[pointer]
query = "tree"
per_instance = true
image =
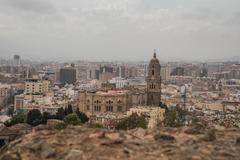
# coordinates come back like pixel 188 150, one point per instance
pixel 175 117
pixel 60 114
pixel 72 119
pixel 82 116
pixel 19 118
pixel 133 121
pixel 69 109
pixel 10 111
pixel 34 117
pixel 47 116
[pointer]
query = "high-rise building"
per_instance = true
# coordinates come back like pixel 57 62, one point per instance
pixel 16 60
pixel 154 82
pixel 106 73
pixel 68 75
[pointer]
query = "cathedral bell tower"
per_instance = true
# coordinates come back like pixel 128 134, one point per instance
pixel 154 82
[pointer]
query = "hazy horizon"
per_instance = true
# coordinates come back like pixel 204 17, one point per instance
pixel 126 30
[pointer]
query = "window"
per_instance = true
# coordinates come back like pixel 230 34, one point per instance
pixel 109 108
pixel 109 102
pixel 152 86
pixel 97 108
pixel 119 108
pixel 97 101
pixel 88 107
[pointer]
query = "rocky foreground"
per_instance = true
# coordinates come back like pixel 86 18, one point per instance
pixel 83 143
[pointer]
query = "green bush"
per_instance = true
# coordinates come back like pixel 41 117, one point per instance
pixel 19 118
pixel 72 119
pixel 95 125
pixel 133 121
pixel 175 117
pixel 82 116
pixel 34 117
pixel 60 126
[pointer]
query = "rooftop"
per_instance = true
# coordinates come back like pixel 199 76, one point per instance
pixel 112 92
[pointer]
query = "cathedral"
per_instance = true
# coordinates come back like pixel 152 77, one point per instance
pixel 154 82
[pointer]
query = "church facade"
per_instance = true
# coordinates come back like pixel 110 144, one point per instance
pixel 154 82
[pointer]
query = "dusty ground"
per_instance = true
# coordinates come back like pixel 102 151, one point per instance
pixel 73 143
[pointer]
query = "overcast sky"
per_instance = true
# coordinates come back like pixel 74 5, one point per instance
pixel 120 29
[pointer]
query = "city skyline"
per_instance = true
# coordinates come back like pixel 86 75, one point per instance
pixel 126 30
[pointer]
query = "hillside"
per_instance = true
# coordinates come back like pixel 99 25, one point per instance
pixel 86 143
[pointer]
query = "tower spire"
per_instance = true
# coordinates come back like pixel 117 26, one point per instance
pixel 154 55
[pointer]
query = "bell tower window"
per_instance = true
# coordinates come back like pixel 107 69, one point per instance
pixel 152 72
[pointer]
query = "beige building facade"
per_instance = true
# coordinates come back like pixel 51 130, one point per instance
pixel 111 101
pixel 155 114
pixel 36 86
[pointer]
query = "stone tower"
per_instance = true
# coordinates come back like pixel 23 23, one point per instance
pixel 154 82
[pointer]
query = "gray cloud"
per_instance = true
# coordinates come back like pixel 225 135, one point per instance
pixel 39 6
pixel 126 29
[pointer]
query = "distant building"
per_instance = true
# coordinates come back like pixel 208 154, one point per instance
pixel 155 114
pixel 67 75
pixel 108 86
pixel 108 102
pixel 18 102
pixel 212 69
pixel 16 60
pixel 106 73
pixel 119 81
pixel 4 94
pixel 179 71
pixel 121 71
pixel 154 82
pixel 36 86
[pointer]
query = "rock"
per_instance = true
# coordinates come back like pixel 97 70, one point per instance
pixel 195 157
pixel 41 146
pixel 164 137
pixel 11 156
pixel 74 155
pixel 83 143
pixel 47 151
pixel 238 141
pixel 139 132
pixel 113 136
pixel 196 129
pixel 100 134
pixel 219 128
pixel 210 135
pixel 35 145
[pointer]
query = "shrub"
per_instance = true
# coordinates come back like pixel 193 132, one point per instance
pixel 95 125
pixel 133 121
pixel 19 118
pixel 60 113
pixel 72 119
pixel 34 117
pixel 175 117
pixel 60 126
pixel 82 116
